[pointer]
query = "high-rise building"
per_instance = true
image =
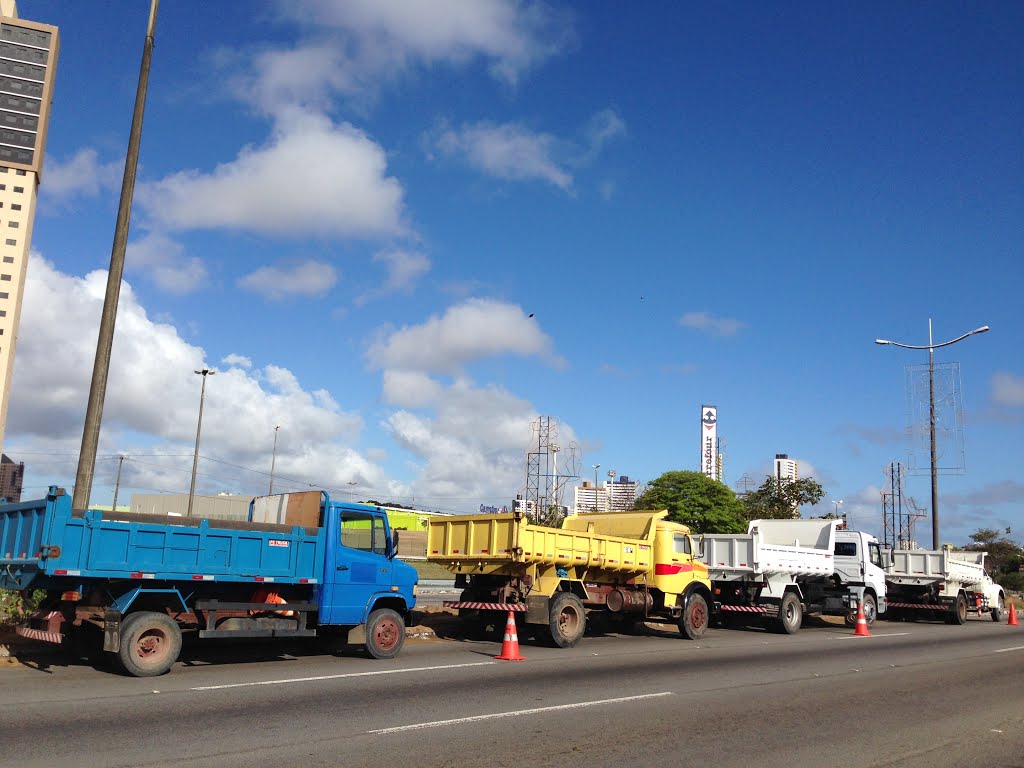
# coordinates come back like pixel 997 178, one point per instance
pixel 590 498
pixel 12 475
pixel 28 62
pixel 621 494
pixel 786 468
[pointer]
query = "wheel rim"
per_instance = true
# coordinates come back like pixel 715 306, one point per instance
pixel 568 621
pixel 698 614
pixel 386 634
pixel 151 646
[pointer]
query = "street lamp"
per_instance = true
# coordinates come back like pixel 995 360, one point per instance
pixel 199 428
pixel 931 347
pixel 596 467
pixel 838 503
pixel 351 487
pixel 273 461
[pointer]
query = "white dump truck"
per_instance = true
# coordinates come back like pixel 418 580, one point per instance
pixel 782 569
pixel 947 583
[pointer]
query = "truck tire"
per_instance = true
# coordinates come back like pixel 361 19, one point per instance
pixel 567 621
pixel 959 615
pixel 385 634
pixel 696 617
pixel 150 644
pixel 997 610
pixel 790 615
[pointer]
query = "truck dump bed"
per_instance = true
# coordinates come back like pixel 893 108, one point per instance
pixel 46 538
pixel 919 565
pixel 499 539
pixel 795 547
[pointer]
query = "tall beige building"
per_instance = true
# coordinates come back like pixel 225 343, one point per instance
pixel 28 62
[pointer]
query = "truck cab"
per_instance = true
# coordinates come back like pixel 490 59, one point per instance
pixel 858 564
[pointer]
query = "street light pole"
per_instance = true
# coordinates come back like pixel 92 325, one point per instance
pixel 199 428
pixel 931 347
pixel 273 461
pixel 351 488
pixel 596 467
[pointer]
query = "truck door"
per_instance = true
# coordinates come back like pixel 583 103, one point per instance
pixel 361 567
pixel 849 559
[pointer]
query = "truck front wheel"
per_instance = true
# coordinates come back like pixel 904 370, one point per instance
pixel 567 620
pixel 695 617
pixel 997 611
pixel 385 634
pixel 150 644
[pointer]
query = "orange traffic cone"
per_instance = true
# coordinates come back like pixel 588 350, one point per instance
pixel 1012 621
pixel 510 643
pixel 862 623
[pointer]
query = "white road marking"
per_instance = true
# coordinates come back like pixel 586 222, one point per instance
pixel 1015 648
pixel 857 637
pixel 517 713
pixel 338 677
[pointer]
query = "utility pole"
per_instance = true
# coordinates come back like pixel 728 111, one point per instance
pixel 117 483
pixel 199 428
pixel 101 365
pixel 273 461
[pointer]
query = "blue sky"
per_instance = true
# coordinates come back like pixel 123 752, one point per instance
pixel 402 231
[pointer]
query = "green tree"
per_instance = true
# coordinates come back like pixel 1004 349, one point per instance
pixel 781 499
pixel 694 499
pixel 1005 557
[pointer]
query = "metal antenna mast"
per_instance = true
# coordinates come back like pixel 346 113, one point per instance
pixel 545 486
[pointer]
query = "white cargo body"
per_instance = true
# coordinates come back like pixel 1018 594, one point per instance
pixel 945 583
pixel 781 569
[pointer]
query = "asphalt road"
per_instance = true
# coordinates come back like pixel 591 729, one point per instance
pixel 911 695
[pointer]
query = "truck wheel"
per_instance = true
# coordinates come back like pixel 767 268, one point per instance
pixel 695 617
pixel 790 615
pixel 150 643
pixel 567 620
pixel 385 634
pixel 997 611
pixel 870 609
pixel 959 615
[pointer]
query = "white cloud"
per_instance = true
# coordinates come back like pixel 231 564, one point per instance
pixel 165 262
pixel 470 331
pixel 507 152
pixel 237 361
pixel 1008 389
pixel 388 35
pixel 410 389
pixel 404 269
pixel 716 326
pixel 152 400
pixel 307 278
pixel 313 178
pixel 81 175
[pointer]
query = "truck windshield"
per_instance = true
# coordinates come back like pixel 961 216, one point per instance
pixel 363 532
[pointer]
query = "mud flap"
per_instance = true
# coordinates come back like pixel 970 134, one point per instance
pixel 537 611
pixel 357 635
pixel 112 631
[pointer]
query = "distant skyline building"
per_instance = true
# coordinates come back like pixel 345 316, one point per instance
pixel 590 498
pixel 621 494
pixel 786 468
pixel 12 475
pixel 28 63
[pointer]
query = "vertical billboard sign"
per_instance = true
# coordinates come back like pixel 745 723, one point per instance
pixel 709 440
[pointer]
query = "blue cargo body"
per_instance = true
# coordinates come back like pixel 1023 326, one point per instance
pixel 99 545
pixel 144 579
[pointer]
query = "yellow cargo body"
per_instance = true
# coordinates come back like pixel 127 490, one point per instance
pixel 629 566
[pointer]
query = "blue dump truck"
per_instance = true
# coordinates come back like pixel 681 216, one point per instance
pixel 134 584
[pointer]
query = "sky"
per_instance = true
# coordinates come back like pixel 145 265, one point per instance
pixel 403 231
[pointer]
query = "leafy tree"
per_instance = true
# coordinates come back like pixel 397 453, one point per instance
pixel 781 499
pixel 1005 557
pixel 694 499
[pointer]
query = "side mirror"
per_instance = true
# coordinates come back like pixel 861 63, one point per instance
pixel 394 544
pixel 700 547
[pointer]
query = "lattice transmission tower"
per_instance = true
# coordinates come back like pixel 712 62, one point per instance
pixel 899 512
pixel 547 473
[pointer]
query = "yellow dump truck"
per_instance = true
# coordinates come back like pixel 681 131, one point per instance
pixel 626 566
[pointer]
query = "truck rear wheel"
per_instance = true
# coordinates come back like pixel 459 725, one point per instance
pixel 696 617
pixel 150 644
pixel 959 615
pixel 567 620
pixel 997 610
pixel 790 615
pixel 385 634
